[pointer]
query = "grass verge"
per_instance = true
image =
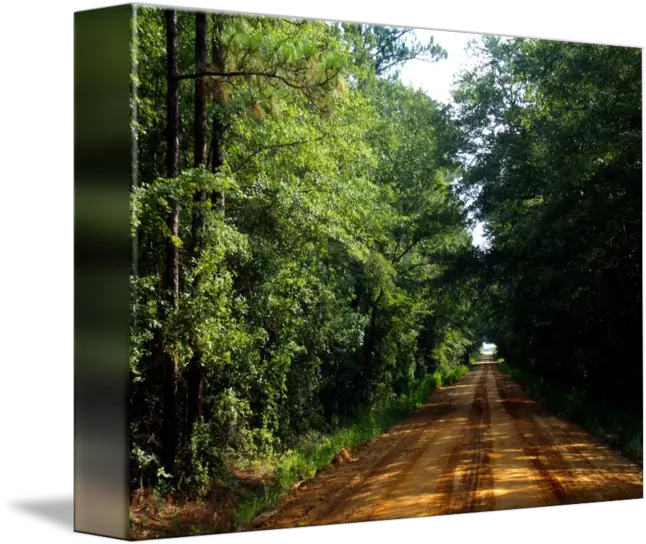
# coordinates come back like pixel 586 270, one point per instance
pixel 313 453
pixel 617 429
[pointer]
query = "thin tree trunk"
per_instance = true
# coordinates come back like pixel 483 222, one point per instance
pixel 195 377
pixel 200 94
pixel 171 277
pixel 371 356
pixel 219 61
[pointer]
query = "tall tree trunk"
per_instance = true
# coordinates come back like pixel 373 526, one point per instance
pixel 171 277
pixel 371 360
pixel 219 61
pixel 200 94
pixel 195 378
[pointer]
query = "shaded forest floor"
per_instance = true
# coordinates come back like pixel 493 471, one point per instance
pixel 252 487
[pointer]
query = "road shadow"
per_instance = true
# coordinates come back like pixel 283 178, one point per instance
pixel 58 511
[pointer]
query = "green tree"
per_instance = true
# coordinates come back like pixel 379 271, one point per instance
pixel 342 272
pixel 553 131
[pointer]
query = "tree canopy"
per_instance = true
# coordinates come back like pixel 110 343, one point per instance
pixel 553 135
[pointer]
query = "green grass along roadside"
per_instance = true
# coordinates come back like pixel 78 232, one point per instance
pixel 620 431
pixel 302 463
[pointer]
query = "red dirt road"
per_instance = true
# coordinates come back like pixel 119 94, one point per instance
pixel 478 445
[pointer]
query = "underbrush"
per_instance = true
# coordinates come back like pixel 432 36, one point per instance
pixel 318 450
pixel 252 486
pixel 617 429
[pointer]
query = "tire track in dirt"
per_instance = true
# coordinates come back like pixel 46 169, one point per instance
pixel 478 445
pixel 409 449
pixel 467 480
pixel 328 493
pixel 553 472
pixel 383 492
pixel 608 476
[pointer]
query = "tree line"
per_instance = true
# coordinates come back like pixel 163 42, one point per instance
pixel 553 136
pixel 301 253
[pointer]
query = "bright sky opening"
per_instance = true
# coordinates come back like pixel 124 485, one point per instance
pixel 436 79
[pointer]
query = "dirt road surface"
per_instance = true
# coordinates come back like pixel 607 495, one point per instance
pixel 478 445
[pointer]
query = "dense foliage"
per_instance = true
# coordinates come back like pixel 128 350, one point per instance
pixel 552 133
pixel 299 246
pixel 303 257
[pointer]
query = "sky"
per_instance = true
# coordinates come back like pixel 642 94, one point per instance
pixel 436 79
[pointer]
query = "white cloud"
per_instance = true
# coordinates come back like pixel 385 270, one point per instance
pixel 437 78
